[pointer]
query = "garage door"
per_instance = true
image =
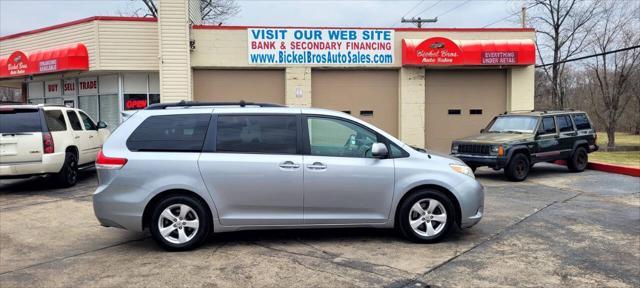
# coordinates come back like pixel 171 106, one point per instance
pixel 371 95
pixel 234 85
pixel 461 102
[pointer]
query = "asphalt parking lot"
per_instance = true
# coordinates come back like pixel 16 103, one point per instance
pixel 555 229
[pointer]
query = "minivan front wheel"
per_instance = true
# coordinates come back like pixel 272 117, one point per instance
pixel 179 223
pixel 426 216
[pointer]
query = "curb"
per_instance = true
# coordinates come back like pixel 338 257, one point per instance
pixel 611 168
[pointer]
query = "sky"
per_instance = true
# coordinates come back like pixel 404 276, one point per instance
pixel 23 15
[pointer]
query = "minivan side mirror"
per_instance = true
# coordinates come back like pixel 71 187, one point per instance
pixel 379 150
pixel 102 125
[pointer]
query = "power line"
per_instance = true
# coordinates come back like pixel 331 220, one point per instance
pixel 428 8
pixel 589 56
pixel 454 8
pixel 409 11
pixel 414 7
pixel 509 16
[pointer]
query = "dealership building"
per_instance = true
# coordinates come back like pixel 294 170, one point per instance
pixel 425 86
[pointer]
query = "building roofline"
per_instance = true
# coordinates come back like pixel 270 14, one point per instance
pixel 235 27
pixel 238 27
pixel 77 22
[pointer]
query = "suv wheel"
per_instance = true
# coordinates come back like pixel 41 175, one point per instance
pixel 425 216
pixel 579 160
pixel 179 223
pixel 518 168
pixel 68 175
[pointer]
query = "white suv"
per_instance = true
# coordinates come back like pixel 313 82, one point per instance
pixel 37 140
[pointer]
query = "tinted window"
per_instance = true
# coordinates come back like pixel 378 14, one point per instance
pixel 582 122
pixel 73 120
pixel 176 133
pixel 19 120
pixel 564 123
pixel 55 120
pixel 257 134
pixel 397 152
pixel 333 137
pixel 548 125
pixel 88 123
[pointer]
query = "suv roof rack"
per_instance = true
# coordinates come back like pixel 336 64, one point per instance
pixel 183 103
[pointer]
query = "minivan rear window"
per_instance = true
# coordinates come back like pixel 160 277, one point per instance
pixel 265 134
pixel 19 120
pixel 170 133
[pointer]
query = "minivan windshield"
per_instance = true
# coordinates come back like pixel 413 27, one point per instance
pixel 19 120
pixel 513 124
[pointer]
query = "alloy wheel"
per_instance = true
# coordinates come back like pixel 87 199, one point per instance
pixel 521 168
pixel 178 223
pixel 72 171
pixel 582 160
pixel 427 217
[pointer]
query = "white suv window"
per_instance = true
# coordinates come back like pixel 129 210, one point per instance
pixel 88 123
pixel 55 120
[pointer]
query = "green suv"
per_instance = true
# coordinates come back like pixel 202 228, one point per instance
pixel 516 141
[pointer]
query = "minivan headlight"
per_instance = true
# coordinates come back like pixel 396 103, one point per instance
pixel 464 169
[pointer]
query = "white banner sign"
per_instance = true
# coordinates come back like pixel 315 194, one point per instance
pixel 343 47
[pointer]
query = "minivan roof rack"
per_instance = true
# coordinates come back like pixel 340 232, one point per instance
pixel 184 103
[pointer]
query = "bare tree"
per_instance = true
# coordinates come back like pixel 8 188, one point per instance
pixel 611 76
pixel 211 11
pixel 563 26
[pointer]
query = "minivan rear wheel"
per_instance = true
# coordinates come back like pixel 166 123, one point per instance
pixel 426 216
pixel 179 223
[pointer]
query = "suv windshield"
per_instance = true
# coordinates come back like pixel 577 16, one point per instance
pixel 19 120
pixel 513 124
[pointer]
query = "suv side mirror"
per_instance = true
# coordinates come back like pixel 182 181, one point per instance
pixel 481 130
pixel 379 150
pixel 102 125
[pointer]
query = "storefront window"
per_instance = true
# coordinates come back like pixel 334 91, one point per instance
pixel 89 104
pixel 109 111
pixel 54 101
pixel 140 90
pixel 135 101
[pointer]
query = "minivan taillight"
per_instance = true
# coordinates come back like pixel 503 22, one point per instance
pixel 111 163
pixel 47 143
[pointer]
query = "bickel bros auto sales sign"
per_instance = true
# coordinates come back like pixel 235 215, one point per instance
pixel 273 46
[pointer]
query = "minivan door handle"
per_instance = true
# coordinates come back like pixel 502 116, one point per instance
pixel 317 166
pixel 289 165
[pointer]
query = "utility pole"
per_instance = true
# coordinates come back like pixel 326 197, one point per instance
pixel 524 17
pixel 418 21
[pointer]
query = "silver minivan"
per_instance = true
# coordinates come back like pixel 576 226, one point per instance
pixel 184 170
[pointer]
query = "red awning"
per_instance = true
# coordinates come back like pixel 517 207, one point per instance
pixel 440 51
pixel 68 58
